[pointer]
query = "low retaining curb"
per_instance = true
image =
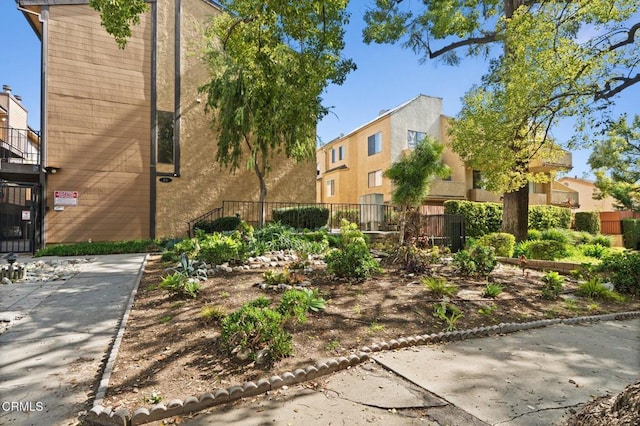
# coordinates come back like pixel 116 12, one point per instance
pixel 100 415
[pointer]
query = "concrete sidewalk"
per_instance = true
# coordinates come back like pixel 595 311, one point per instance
pixel 534 377
pixel 58 336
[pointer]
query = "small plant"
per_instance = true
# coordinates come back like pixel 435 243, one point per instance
pixel 190 268
pixel 374 328
pixel 155 398
pixel 413 259
pixel 479 261
pixel 296 303
pixel 492 290
pixel 165 319
pixel 489 310
pixel 595 289
pixel 180 285
pixel 224 294
pixel 352 262
pixel 594 250
pixel 212 313
pixel 450 314
pixel 332 345
pixel 553 283
pixel 571 305
pixel 273 277
pixel 439 286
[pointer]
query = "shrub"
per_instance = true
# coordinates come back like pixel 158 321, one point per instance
pixel 302 217
pixel 593 288
pixel 439 286
pixel 583 237
pixel 296 304
pixel 631 233
pixel 479 261
pixel 221 224
pixel 546 250
pixel 555 234
pixel 180 285
pixel 534 234
pixel 593 250
pixel 588 222
pixel 448 313
pixel 501 242
pixel 103 247
pixel 553 283
pixel 545 217
pixel 350 215
pixel 521 249
pixel 623 270
pixel 412 259
pixel 352 262
pixel 256 329
pixel 603 240
pixel 219 248
pixel 480 218
pixel 212 313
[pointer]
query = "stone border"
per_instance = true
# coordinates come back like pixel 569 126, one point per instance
pixel 100 415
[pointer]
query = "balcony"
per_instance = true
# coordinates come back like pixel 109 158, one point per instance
pixel 565 199
pixel 483 195
pixel 447 190
pixel 19 154
pixel 564 161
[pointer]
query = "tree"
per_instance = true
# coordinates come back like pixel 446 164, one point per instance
pixel 118 16
pixel 413 174
pixel 269 64
pixel 559 59
pixel 616 162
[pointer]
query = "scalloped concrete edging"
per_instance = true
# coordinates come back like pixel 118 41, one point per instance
pixel 100 415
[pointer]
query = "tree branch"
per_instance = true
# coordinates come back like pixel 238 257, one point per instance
pixel 232 27
pixel 489 38
pixel 631 38
pixel 608 92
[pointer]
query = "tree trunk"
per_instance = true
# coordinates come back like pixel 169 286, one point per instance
pixel 403 222
pixel 260 173
pixel 515 213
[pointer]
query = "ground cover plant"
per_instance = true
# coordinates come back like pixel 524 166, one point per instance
pixel 238 328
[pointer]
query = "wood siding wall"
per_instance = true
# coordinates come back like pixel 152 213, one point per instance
pixel 98 128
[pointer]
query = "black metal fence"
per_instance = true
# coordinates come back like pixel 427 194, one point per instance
pixel 368 217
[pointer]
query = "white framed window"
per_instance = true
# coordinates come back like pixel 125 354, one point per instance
pixel 341 152
pixel 374 143
pixel 413 137
pixel 375 178
pixel 331 187
pixel 337 154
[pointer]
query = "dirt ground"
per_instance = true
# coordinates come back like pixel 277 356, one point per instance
pixel 169 352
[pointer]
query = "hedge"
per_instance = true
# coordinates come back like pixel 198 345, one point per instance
pixel 631 233
pixel 302 217
pixel 588 222
pixel 221 224
pixel 486 218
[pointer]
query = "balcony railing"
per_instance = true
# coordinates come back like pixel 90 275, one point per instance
pixel 20 146
pixel 565 199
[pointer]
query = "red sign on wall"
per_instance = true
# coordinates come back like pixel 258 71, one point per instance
pixel 65 198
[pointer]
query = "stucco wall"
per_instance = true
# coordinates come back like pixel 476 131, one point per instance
pixel 98 128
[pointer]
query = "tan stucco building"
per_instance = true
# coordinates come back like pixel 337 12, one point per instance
pixel 125 131
pixel 351 167
pixel 586 190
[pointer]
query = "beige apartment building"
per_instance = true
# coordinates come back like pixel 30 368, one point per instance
pixel 586 190
pixel 351 167
pixel 126 148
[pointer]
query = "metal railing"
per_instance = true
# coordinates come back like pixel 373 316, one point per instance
pixel 16 146
pixel 368 217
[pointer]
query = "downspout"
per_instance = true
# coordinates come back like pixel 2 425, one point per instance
pixel 154 123
pixel 177 52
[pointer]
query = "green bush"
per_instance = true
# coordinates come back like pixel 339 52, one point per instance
pixel 583 237
pixel 104 247
pixel 546 250
pixel 255 328
pixel 296 304
pixel 593 250
pixel 221 224
pixel 479 261
pixel 181 285
pixel 545 217
pixel 501 242
pixel 219 248
pixel 521 249
pixel 302 217
pixel 534 234
pixel 555 234
pixel 603 240
pixel 631 233
pixel 553 283
pixel 623 270
pixel 352 262
pixel 588 222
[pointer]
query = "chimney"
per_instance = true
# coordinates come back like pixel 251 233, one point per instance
pixel 6 88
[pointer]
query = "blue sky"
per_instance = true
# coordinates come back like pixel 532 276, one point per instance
pixel 386 77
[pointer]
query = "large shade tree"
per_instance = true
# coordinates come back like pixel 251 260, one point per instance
pixel 616 162
pixel 413 174
pixel 269 64
pixel 556 59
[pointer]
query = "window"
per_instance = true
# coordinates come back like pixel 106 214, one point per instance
pixel 375 143
pixel 333 155
pixel 165 137
pixel 477 180
pixel 331 187
pixel 413 137
pixel 341 153
pixel 337 154
pixel 375 178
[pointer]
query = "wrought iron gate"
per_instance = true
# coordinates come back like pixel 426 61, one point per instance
pixel 19 217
